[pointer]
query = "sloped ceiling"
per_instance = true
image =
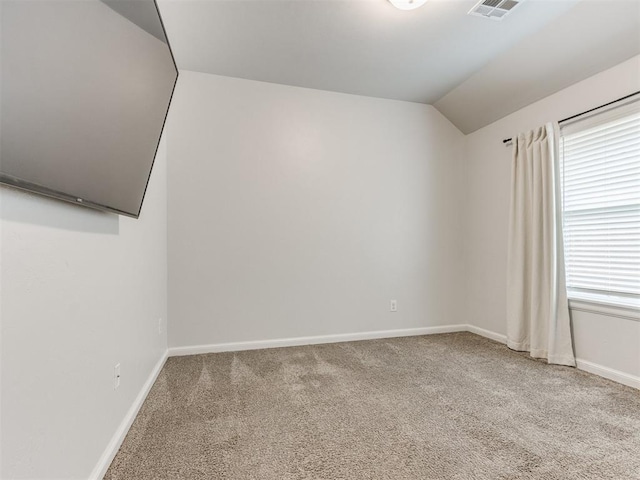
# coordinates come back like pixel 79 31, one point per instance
pixel 585 41
pixel 472 69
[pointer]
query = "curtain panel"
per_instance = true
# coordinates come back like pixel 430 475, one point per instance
pixel 537 306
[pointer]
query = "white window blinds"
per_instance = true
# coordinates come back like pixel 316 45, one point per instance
pixel 600 180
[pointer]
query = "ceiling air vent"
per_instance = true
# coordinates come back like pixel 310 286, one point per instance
pixel 494 9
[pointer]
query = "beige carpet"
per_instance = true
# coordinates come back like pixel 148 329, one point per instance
pixel 453 406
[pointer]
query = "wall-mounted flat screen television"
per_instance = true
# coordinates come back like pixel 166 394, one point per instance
pixel 85 90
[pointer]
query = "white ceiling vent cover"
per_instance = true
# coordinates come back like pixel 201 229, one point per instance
pixel 494 9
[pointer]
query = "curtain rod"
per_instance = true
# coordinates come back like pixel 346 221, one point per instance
pixel 507 140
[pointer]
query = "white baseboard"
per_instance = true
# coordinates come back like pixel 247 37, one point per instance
pixel 112 448
pixel 609 373
pixel 498 337
pixel 315 340
pixel 600 370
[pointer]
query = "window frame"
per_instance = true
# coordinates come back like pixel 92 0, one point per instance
pixel 595 300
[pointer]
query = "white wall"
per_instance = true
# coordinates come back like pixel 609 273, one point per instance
pixel 297 212
pixel 81 291
pixel 605 340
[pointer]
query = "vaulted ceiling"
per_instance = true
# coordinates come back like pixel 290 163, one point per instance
pixel 474 70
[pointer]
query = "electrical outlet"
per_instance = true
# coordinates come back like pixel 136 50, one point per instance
pixel 116 376
pixel 393 305
pixel 160 326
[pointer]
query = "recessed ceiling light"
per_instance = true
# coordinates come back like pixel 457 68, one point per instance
pixel 407 4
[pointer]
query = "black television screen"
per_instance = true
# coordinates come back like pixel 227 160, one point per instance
pixel 85 89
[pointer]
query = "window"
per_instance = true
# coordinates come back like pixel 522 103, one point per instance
pixel 600 181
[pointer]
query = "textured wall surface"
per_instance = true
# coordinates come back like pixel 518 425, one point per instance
pixel 81 291
pixel 297 212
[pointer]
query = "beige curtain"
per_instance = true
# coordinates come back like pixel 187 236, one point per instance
pixel 537 307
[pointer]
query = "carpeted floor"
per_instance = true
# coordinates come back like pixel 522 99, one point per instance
pixel 452 406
